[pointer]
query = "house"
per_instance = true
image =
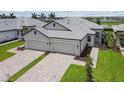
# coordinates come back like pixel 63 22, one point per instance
pixel 10 28
pixel 69 35
pixel 120 30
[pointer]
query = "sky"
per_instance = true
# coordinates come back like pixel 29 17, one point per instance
pixel 68 13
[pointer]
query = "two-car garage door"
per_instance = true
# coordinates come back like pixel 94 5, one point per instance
pixel 60 47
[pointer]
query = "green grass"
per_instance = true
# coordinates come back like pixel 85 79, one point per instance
pixel 111 23
pixel 25 69
pixel 110 68
pixel 3 49
pixel 75 73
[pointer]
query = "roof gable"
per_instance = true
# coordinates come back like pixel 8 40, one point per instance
pixel 56 26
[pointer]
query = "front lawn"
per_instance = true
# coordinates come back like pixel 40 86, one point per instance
pixel 110 68
pixel 3 49
pixel 75 73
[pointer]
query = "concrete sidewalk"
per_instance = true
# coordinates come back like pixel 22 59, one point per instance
pixel 8 42
pixel 22 58
pixel 94 55
pixel 50 69
pixel 122 50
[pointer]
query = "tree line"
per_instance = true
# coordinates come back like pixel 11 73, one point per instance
pixel 11 15
pixel 44 17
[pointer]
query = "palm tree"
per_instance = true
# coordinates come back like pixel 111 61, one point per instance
pixel 24 30
pixel 42 16
pixel 116 40
pixel 88 69
pixel 52 16
pixel 0 16
pixel 107 39
pixel 12 15
pixel 34 15
pixel 3 15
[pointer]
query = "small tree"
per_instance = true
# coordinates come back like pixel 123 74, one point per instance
pixel 88 69
pixel 34 15
pixel 52 16
pixel 12 15
pixel 23 31
pixel 3 16
pixel 107 38
pixel 42 16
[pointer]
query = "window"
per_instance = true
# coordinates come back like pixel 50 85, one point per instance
pixel 18 33
pixel 54 24
pixel 35 32
pixel 89 38
pixel 97 34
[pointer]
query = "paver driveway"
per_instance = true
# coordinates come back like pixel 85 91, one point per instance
pixel 18 61
pixel 51 68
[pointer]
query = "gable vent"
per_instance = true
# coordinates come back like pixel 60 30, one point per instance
pixel 68 21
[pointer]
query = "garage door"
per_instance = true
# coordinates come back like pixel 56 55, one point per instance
pixel 67 48
pixel 37 45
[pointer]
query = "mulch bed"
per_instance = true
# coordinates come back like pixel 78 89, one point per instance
pixel 83 55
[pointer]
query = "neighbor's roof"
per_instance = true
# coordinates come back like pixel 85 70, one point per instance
pixel 81 21
pixel 78 31
pixel 119 28
pixel 17 23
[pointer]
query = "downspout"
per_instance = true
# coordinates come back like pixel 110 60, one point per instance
pixel 80 47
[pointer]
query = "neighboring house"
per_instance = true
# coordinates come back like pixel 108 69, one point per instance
pixel 69 35
pixel 120 30
pixel 11 28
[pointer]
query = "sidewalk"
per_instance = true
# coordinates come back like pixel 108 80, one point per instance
pixel 94 54
pixel 122 50
pixel 9 42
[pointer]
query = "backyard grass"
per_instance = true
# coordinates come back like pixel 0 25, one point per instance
pixel 3 49
pixel 110 23
pixel 26 68
pixel 110 68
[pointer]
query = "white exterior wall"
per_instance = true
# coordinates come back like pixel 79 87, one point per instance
pixel 83 43
pixel 92 41
pixel 64 42
pixel 8 35
pixel 57 26
pixel 38 37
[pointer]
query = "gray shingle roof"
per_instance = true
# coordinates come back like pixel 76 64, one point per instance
pixel 75 24
pixel 79 27
pixel 119 28
pixel 9 24
pixel 81 21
